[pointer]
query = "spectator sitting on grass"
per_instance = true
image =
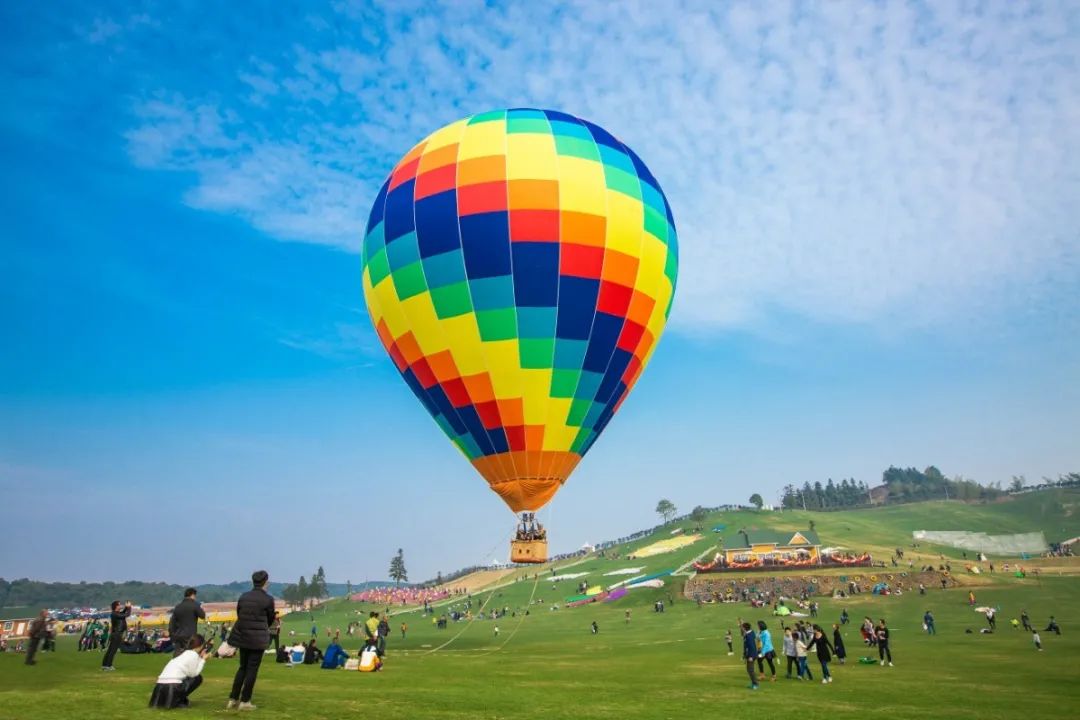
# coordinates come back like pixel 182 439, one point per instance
pixel 334 658
pixel 369 657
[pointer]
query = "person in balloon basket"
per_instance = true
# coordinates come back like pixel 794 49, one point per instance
pixel 117 628
pixel 182 675
pixel 250 635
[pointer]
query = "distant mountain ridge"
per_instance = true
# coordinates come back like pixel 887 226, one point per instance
pixel 33 593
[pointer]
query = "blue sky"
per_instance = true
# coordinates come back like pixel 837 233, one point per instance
pixel 880 264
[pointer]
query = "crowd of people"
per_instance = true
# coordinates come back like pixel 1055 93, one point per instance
pixel 403 595
pixel 799 642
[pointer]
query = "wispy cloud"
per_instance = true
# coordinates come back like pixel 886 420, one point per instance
pixel 888 164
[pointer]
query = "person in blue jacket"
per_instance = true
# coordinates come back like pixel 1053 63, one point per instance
pixel 928 621
pixel 334 657
pixel 767 652
pixel 750 653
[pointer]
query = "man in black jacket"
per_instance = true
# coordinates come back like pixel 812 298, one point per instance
pixel 250 636
pixel 117 628
pixel 185 621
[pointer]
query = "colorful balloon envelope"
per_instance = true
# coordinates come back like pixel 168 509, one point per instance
pixel 519 267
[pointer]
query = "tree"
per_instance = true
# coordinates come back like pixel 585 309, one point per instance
pixel 397 568
pixel 1018 483
pixel 302 591
pixel 318 588
pixel 666 509
pixel 756 501
pixel 699 514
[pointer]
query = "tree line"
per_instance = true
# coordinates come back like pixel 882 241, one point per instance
pixel 303 592
pixel 846 493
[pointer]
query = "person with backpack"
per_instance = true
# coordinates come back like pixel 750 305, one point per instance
pixel 928 623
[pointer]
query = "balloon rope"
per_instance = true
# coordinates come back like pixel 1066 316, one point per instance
pixel 472 618
pixel 536 583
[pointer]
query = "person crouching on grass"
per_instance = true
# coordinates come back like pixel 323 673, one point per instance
pixel 181 677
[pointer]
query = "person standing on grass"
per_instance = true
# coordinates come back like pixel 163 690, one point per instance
pixel 184 621
pixel 38 629
pixel 789 652
pixel 117 627
pixel 750 653
pixel 1026 620
pixel 971 598
pixel 884 652
pixel 404 629
pixel 275 631
pixel 801 646
pixel 250 636
pixel 1036 639
pixel 727 639
pixel 928 623
pixel 991 618
pixel 824 653
pixel 838 644
pixel 766 653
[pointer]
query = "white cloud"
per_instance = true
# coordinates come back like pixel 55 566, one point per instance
pixel 879 164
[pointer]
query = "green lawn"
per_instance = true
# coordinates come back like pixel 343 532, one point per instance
pixel 671 665
pixel 658 666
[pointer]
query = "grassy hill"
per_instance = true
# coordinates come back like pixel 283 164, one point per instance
pixel 654 665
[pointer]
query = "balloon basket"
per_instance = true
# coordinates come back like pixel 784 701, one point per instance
pixel 528 551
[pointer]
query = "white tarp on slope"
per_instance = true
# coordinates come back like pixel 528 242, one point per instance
pixel 626 571
pixel 1032 543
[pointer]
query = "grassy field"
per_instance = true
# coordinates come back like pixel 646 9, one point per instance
pixel 669 665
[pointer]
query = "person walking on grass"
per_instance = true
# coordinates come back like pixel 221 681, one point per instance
pixel 838 644
pixel 766 653
pixel 991 618
pixel 250 636
pixel 1036 639
pixel 38 630
pixel 928 623
pixel 750 653
pixel 821 644
pixel 789 652
pixel 884 651
pixel 1026 620
pixel 117 627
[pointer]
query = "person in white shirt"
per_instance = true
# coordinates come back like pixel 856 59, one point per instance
pixel 181 676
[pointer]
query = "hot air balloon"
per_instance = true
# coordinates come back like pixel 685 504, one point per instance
pixel 519 267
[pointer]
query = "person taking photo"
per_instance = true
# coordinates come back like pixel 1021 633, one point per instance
pixel 181 676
